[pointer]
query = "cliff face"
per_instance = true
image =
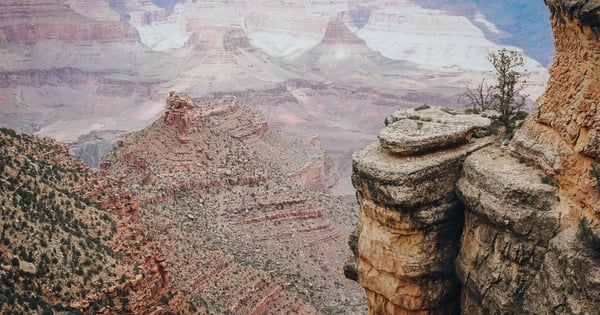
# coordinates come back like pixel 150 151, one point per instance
pixel 521 256
pixel 410 219
pixel 563 134
pixel 522 248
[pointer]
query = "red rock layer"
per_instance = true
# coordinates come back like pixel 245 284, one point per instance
pixel 31 21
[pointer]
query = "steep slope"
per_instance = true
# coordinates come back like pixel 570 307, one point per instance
pixel 221 190
pixel 71 241
pixel 527 245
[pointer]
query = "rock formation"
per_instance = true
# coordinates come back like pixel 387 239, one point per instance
pixel 410 219
pixel 226 193
pixel 536 251
pixel 88 72
pixel 526 246
pixel 181 112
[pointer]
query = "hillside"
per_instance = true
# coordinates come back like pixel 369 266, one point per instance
pixel 71 241
pixel 225 195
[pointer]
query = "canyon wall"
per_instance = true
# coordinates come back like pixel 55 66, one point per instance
pixel 522 243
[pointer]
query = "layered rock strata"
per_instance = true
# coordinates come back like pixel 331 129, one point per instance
pixel 95 258
pixel 563 136
pixel 521 252
pixel 221 193
pixel 410 218
pixel 510 217
pixel 525 247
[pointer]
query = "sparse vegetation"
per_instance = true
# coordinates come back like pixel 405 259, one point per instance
pixel 504 96
pixel 57 240
pixel 595 172
pixel 422 107
pixel 548 180
pixel 588 236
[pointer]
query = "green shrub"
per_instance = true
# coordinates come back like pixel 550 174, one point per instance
pixel 471 111
pixel 548 180
pixel 9 132
pixel 595 172
pixel 422 107
pixel 588 236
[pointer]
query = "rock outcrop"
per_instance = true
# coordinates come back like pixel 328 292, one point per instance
pixel 526 246
pixel 563 136
pixel 410 219
pixel 520 252
pixel 225 192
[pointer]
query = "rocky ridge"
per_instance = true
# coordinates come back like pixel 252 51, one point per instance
pixel 71 240
pixel 518 225
pixel 223 191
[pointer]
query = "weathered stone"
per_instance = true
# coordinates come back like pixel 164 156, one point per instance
pixel 568 281
pixel 510 218
pixel 414 132
pixel 27 267
pixel 408 182
pixel 409 228
pixel 518 252
pixel 563 133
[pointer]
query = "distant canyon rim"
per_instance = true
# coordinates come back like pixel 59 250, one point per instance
pixel 88 72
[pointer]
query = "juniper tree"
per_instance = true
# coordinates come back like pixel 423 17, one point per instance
pixel 504 95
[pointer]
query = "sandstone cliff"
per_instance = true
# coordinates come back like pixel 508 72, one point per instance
pixel 504 227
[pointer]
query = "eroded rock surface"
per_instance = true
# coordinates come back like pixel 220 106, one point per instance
pixel 523 248
pixel 410 221
pixel 409 135
pixel 224 194
pixel 510 217
pixel 520 251
pixel 563 136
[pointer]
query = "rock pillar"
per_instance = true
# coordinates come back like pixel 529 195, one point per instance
pixel 410 218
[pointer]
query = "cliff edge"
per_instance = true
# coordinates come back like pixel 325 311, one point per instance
pixel 452 224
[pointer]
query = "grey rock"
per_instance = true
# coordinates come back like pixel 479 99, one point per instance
pixel 414 132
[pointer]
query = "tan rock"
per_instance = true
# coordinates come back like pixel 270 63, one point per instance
pixel 409 228
pixel 27 267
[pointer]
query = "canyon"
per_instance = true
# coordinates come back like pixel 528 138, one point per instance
pixel 234 195
pixel 321 66
pixel 461 224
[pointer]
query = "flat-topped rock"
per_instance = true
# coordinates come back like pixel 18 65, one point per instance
pixel 415 132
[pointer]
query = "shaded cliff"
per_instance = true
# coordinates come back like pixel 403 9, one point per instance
pixel 71 241
pixel 525 245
